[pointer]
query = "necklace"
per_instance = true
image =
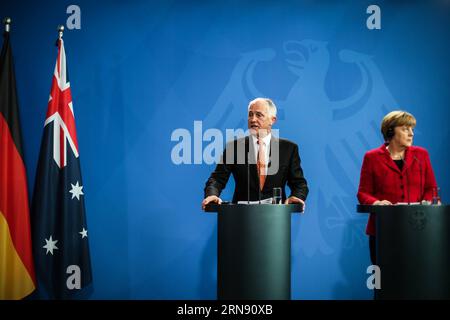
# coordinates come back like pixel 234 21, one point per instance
pixel 395 156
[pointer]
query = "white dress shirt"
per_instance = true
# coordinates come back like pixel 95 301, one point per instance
pixel 266 141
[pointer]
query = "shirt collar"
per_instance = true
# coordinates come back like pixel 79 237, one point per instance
pixel 266 139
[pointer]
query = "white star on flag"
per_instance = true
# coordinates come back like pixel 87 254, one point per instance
pixel 83 233
pixel 50 245
pixel 76 191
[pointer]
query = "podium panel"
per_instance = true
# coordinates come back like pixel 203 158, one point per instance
pixel 254 251
pixel 413 251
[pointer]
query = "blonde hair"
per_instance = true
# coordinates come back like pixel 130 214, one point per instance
pixel 394 119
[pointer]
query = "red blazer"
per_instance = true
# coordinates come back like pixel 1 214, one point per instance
pixel 381 179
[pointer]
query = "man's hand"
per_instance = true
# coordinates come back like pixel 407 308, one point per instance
pixel 382 203
pixel 293 199
pixel 210 199
pixel 426 202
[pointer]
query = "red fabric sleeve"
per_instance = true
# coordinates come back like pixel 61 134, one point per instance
pixel 365 190
pixel 430 180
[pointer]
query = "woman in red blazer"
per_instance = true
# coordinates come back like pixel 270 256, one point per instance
pixel 396 172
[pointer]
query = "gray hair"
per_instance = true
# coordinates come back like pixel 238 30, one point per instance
pixel 269 103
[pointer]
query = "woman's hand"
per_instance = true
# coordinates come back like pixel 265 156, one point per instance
pixel 382 203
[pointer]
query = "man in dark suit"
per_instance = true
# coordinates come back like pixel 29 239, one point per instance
pixel 259 162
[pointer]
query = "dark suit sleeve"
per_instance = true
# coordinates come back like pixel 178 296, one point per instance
pixel 219 178
pixel 296 181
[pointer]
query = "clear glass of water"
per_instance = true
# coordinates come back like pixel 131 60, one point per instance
pixel 436 197
pixel 277 196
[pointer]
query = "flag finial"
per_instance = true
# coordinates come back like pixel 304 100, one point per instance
pixel 60 31
pixel 7 23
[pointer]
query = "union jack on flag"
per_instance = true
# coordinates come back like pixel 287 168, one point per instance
pixel 60 111
pixel 60 233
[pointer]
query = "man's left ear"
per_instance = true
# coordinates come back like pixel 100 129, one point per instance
pixel 274 119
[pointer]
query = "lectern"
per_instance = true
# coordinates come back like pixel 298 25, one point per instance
pixel 254 251
pixel 413 250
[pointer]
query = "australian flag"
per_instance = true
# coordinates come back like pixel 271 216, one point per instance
pixel 59 228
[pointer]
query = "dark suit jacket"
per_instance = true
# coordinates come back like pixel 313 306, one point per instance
pixel 381 179
pixel 284 164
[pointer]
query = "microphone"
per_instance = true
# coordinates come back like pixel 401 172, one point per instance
pixel 248 171
pixel 259 174
pixel 259 193
pixel 407 180
pixel 420 172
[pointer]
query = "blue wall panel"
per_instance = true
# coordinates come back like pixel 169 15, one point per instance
pixel 142 69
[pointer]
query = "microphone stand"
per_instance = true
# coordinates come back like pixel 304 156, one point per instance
pixel 248 171
pixel 420 172
pixel 407 180
pixel 259 181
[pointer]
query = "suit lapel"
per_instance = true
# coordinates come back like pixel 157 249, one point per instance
pixel 409 157
pixel 274 159
pixel 386 158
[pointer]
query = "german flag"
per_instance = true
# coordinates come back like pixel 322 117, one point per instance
pixel 17 279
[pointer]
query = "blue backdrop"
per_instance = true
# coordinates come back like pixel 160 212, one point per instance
pixel 142 69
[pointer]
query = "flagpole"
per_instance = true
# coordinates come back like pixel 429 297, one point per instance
pixel 7 23
pixel 60 31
